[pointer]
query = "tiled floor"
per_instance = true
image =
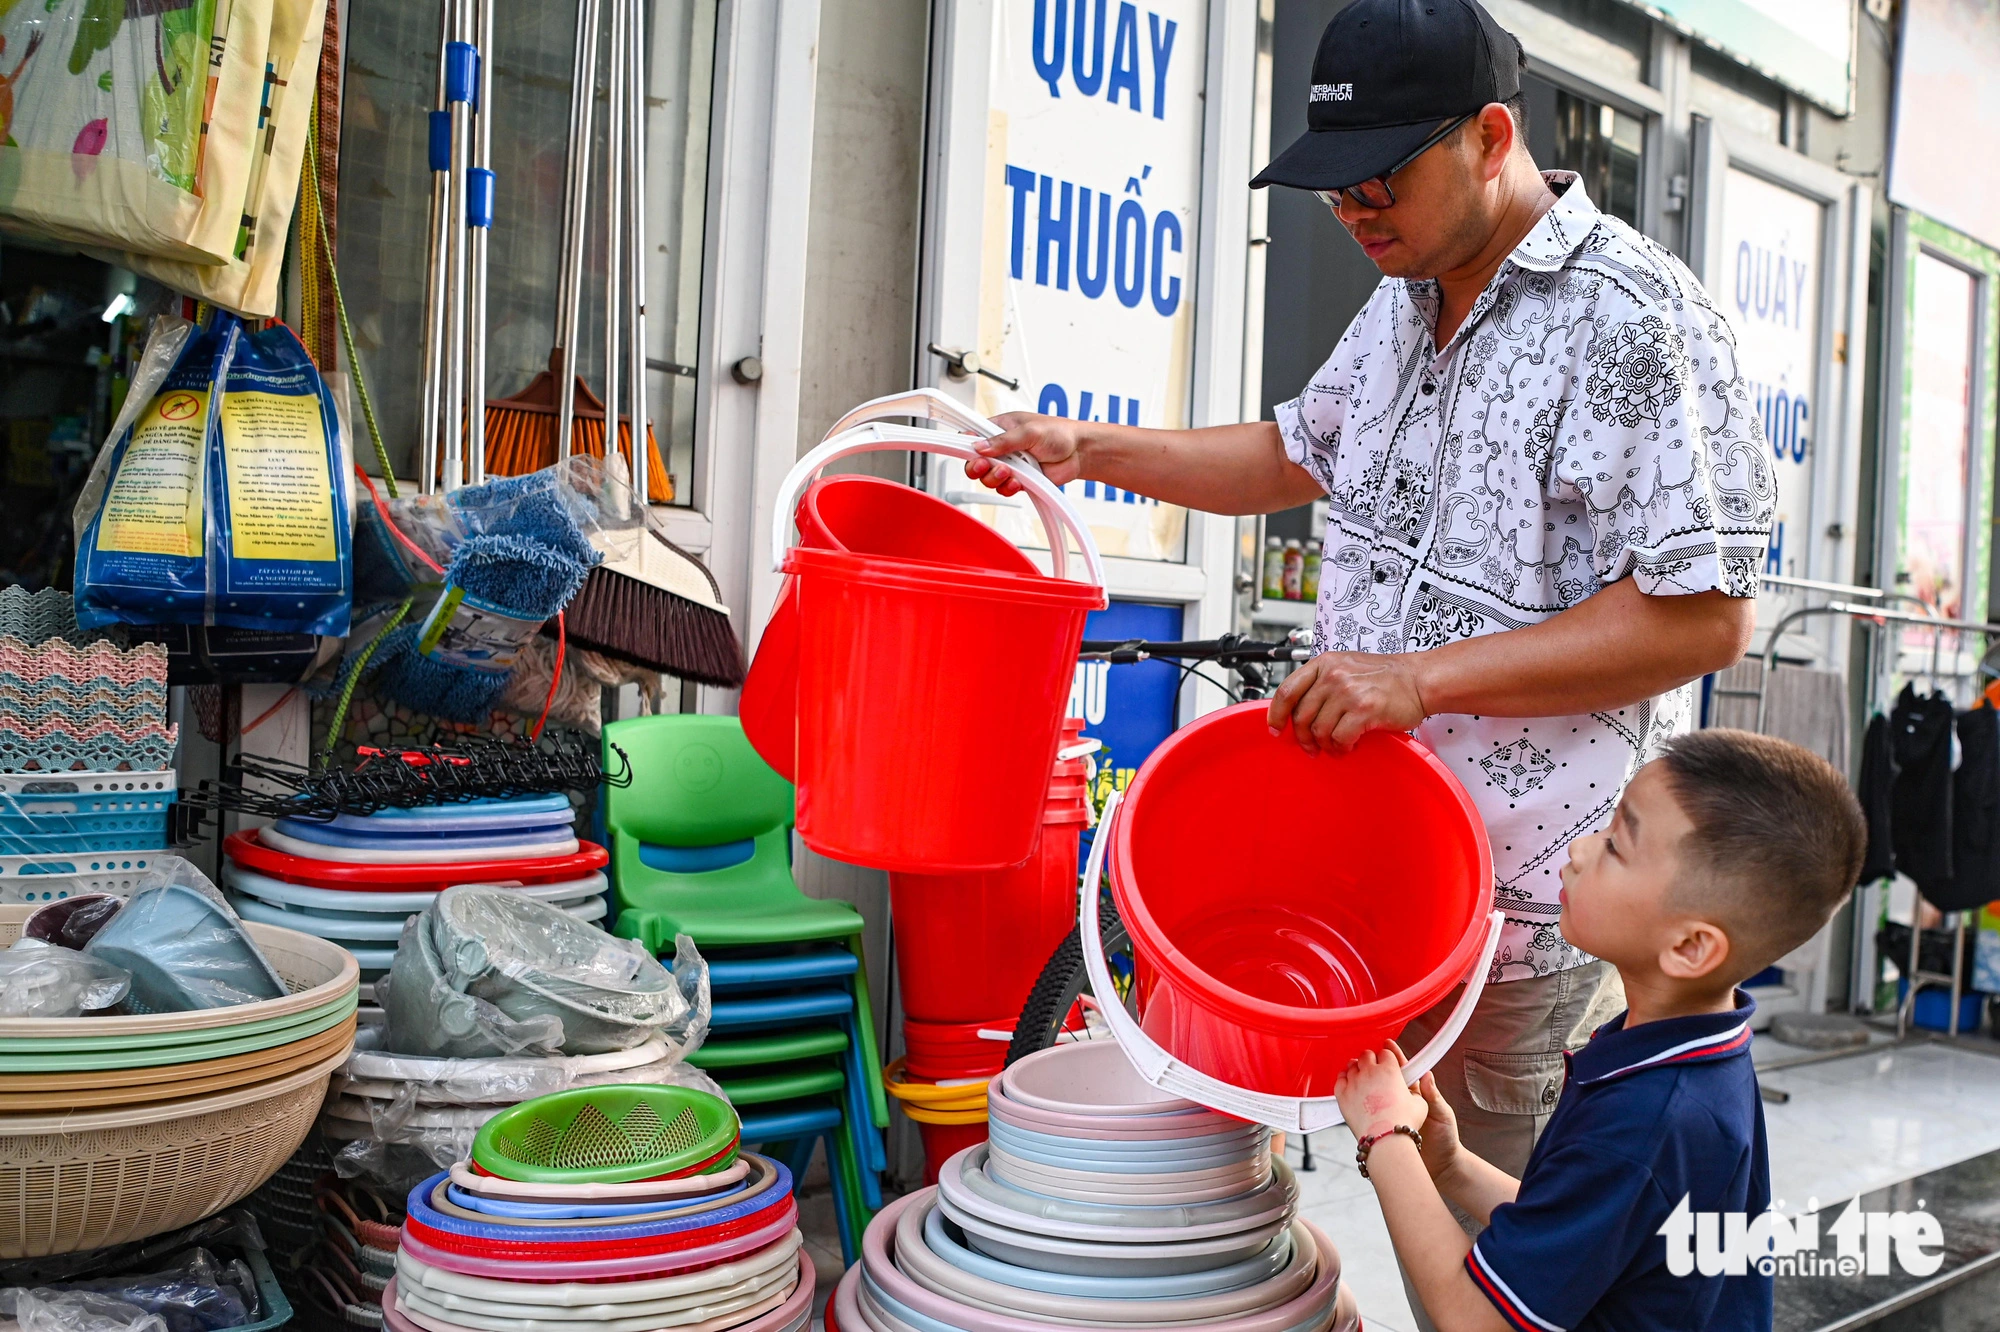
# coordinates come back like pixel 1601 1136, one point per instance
pixel 1852 1125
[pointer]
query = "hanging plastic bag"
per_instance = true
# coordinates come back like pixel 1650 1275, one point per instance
pixel 223 501
pixel 133 125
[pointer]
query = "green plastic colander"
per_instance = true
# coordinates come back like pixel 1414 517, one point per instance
pixel 608 1135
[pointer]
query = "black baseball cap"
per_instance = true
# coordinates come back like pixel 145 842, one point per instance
pixel 1387 74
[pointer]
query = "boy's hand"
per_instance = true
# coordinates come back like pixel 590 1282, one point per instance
pixel 1440 1149
pixel 1373 1096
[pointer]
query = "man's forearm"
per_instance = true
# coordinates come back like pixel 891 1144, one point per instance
pixel 1232 469
pixel 1611 650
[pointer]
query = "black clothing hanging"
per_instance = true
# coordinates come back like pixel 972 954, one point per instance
pixel 1878 776
pixel 1920 798
pixel 1975 817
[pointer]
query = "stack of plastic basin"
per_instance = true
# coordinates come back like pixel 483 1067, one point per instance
pixel 119 1127
pixel 357 878
pixel 1099 1201
pixel 968 949
pixel 607 1208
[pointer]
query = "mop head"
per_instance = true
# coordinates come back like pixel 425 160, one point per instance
pixel 531 507
pixel 524 577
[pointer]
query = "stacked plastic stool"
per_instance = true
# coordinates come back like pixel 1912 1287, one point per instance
pixel 700 845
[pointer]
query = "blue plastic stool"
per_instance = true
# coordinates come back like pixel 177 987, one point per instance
pixel 771 1012
pixel 803 1126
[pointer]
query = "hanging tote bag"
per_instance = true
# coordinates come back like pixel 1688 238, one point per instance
pixel 131 124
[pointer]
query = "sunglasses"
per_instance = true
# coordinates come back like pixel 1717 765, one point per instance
pixel 1375 194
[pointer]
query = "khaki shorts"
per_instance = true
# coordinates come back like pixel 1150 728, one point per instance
pixel 1503 1077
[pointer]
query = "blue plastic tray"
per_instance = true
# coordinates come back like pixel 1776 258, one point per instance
pixel 40 796
pixel 420 1210
pixel 466 816
pixel 39 823
pixel 504 1207
pixel 475 840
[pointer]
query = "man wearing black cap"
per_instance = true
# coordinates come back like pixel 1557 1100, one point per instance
pixel 1548 498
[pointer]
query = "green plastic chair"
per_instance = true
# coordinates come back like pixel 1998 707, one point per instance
pixel 701 846
pixel 697 786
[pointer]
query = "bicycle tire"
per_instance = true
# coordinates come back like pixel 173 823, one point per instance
pixel 1062 980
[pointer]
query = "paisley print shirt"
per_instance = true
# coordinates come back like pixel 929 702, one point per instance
pixel 1586 423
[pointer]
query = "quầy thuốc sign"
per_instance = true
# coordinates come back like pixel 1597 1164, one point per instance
pixel 1769 287
pixel 1093 185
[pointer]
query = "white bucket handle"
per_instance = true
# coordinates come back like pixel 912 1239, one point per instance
pixel 1049 501
pixel 1293 1114
pixel 924 402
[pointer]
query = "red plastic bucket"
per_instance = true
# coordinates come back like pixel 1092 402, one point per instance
pixel 906 760
pixel 873 517
pixel 1281 948
pixel 947 1051
pixel 944 1141
pixel 969 945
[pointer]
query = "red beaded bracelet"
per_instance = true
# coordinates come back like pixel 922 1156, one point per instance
pixel 1367 1144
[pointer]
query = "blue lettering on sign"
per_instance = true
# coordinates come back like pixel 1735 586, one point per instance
pixel 1131 709
pixel 1784 415
pixel 1770 286
pixel 1774 553
pixel 1127 251
pixel 1080 47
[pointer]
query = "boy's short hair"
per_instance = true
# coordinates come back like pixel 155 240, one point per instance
pixel 1777 842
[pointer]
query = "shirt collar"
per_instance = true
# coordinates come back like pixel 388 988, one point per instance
pixel 1562 230
pixel 1615 1050
pixel 1548 245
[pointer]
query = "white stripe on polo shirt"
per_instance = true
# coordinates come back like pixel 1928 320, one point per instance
pixel 1681 1051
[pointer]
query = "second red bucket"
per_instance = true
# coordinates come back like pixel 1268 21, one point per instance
pixel 1281 949
pixel 930 697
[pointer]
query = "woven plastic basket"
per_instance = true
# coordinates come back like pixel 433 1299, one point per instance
pixel 81 1181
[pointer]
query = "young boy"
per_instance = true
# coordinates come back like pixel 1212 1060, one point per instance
pixel 1725 854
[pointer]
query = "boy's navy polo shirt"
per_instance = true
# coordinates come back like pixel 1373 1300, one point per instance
pixel 1647 1116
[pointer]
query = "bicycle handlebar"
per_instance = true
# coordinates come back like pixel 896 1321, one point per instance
pixel 1227 650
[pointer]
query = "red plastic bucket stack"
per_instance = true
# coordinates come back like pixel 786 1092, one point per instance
pixel 970 946
pixel 912 684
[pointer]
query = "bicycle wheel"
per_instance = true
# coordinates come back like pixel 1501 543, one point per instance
pixel 1061 983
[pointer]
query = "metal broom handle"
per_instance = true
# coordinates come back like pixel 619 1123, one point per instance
pixel 635 157
pixel 569 296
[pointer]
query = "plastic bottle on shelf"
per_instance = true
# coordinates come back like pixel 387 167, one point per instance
pixel 1294 570
pixel 1274 570
pixel 1309 583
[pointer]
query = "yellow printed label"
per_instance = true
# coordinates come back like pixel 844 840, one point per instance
pixel 280 495
pixel 154 507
